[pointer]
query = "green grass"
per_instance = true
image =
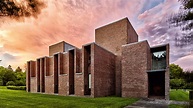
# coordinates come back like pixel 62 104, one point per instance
pixel 22 99
pixel 177 106
pixel 179 95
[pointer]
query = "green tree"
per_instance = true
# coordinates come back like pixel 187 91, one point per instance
pixel 6 75
pixel 184 19
pixel 175 71
pixel 20 78
pixel 25 8
pixel 10 68
pixel 177 83
pixel 18 69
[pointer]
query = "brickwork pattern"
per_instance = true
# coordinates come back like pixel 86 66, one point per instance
pixel 134 67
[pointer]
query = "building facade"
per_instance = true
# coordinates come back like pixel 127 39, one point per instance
pixel 115 64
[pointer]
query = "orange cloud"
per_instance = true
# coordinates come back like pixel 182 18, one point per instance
pixel 73 21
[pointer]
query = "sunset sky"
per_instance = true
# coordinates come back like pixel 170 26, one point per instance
pixel 74 21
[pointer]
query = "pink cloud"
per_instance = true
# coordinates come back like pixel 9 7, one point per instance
pixel 185 62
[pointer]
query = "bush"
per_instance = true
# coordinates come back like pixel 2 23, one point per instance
pixel 10 83
pixel 1 82
pixel 20 83
pixel 16 87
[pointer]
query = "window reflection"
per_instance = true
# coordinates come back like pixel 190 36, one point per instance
pixel 159 60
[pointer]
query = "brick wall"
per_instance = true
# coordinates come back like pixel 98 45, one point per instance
pixel 28 77
pixel 167 74
pixel 58 47
pixel 49 80
pixel 134 69
pixel 33 78
pixel 103 75
pixel 63 77
pixel 79 78
pixel 118 71
pixel 114 35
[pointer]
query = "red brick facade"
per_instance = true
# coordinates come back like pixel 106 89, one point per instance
pixel 134 65
pixel 116 64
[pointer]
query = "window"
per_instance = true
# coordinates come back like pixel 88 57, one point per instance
pixel 159 60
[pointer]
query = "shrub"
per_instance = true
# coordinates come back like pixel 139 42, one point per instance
pixel 16 87
pixel 1 82
pixel 10 83
pixel 20 83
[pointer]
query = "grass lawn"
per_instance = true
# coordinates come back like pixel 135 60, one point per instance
pixel 177 106
pixel 179 95
pixel 22 99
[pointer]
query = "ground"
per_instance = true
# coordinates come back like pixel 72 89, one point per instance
pixel 18 98
pixel 22 99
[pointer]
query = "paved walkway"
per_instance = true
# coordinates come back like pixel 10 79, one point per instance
pixel 149 103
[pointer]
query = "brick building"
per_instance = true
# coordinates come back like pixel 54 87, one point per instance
pixel 115 64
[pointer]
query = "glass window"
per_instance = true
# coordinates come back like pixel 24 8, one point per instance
pixel 159 60
pixel 89 78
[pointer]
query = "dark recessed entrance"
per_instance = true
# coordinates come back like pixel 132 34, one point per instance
pixel 156 84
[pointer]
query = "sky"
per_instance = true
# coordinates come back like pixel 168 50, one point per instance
pixel 75 21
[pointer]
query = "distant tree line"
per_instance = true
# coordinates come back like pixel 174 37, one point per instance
pixel 10 77
pixel 180 79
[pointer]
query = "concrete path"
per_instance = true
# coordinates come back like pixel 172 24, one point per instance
pixel 154 103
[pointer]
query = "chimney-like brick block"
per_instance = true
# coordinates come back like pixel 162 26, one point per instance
pixel 79 78
pixel 28 77
pixel 103 73
pixel 49 80
pixel 167 74
pixel 33 78
pixel 42 74
pixel 114 35
pixel 63 76
pixel 134 69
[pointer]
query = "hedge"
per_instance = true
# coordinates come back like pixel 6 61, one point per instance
pixel 16 87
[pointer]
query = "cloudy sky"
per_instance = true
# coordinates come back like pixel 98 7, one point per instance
pixel 74 21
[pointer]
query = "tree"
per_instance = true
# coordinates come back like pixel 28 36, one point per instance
pixel 184 19
pixel 24 8
pixel 7 75
pixel 10 68
pixel 177 84
pixel 175 71
pixel 18 69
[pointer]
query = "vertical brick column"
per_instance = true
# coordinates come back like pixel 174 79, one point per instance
pixel 28 77
pixel 49 79
pixel 63 74
pixel 134 69
pixel 167 74
pixel 79 77
pixel 33 77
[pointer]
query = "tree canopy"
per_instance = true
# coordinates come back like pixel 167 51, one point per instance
pixel 8 76
pixel 175 71
pixel 184 20
pixel 20 8
pixel 180 79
